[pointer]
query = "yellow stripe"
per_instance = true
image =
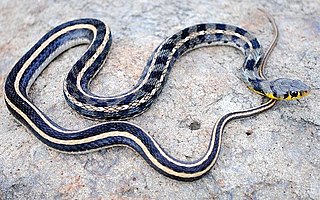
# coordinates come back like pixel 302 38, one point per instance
pixel 156 144
pixel 35 54
pixel 107 135
pixel 90 61
pixel 143 100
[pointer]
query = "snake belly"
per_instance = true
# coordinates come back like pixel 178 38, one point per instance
pixel 131 103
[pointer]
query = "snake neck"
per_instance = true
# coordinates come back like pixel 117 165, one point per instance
pixel 254 82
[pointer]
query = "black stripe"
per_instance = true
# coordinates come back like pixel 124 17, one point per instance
pixel 175 36
pixel 147 88
pixel 156 74
pixel 168 46
pixel 250 64
pixel 218 36
pixel 185 33
pixel 246 46
pixel 255 43
pixel 201 38
pixel 234 38
pixel 240 31
pixel 221 26
pixel 201 27
pixel 161 60
pixel 187 44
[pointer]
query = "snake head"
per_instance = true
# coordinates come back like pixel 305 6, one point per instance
pixel 287 89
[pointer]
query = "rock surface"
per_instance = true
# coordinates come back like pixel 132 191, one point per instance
pixel 274 155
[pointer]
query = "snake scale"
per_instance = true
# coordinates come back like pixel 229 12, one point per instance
pixel 139 98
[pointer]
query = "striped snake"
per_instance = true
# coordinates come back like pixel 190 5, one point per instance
pixel 140 97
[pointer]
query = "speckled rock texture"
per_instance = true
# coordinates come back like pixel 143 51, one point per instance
pixel 274 155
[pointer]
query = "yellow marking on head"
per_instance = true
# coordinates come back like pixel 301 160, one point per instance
pixel 271 96
pixel 298 96
pixel 303 94
pixel 290 96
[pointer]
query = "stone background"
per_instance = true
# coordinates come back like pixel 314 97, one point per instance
pixel 279 159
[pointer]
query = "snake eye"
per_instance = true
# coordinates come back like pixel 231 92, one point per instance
pixel 294 93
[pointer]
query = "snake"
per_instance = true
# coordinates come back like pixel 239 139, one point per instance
pixel 117 131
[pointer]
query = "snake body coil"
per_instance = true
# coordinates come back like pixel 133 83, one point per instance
pixel 139 98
